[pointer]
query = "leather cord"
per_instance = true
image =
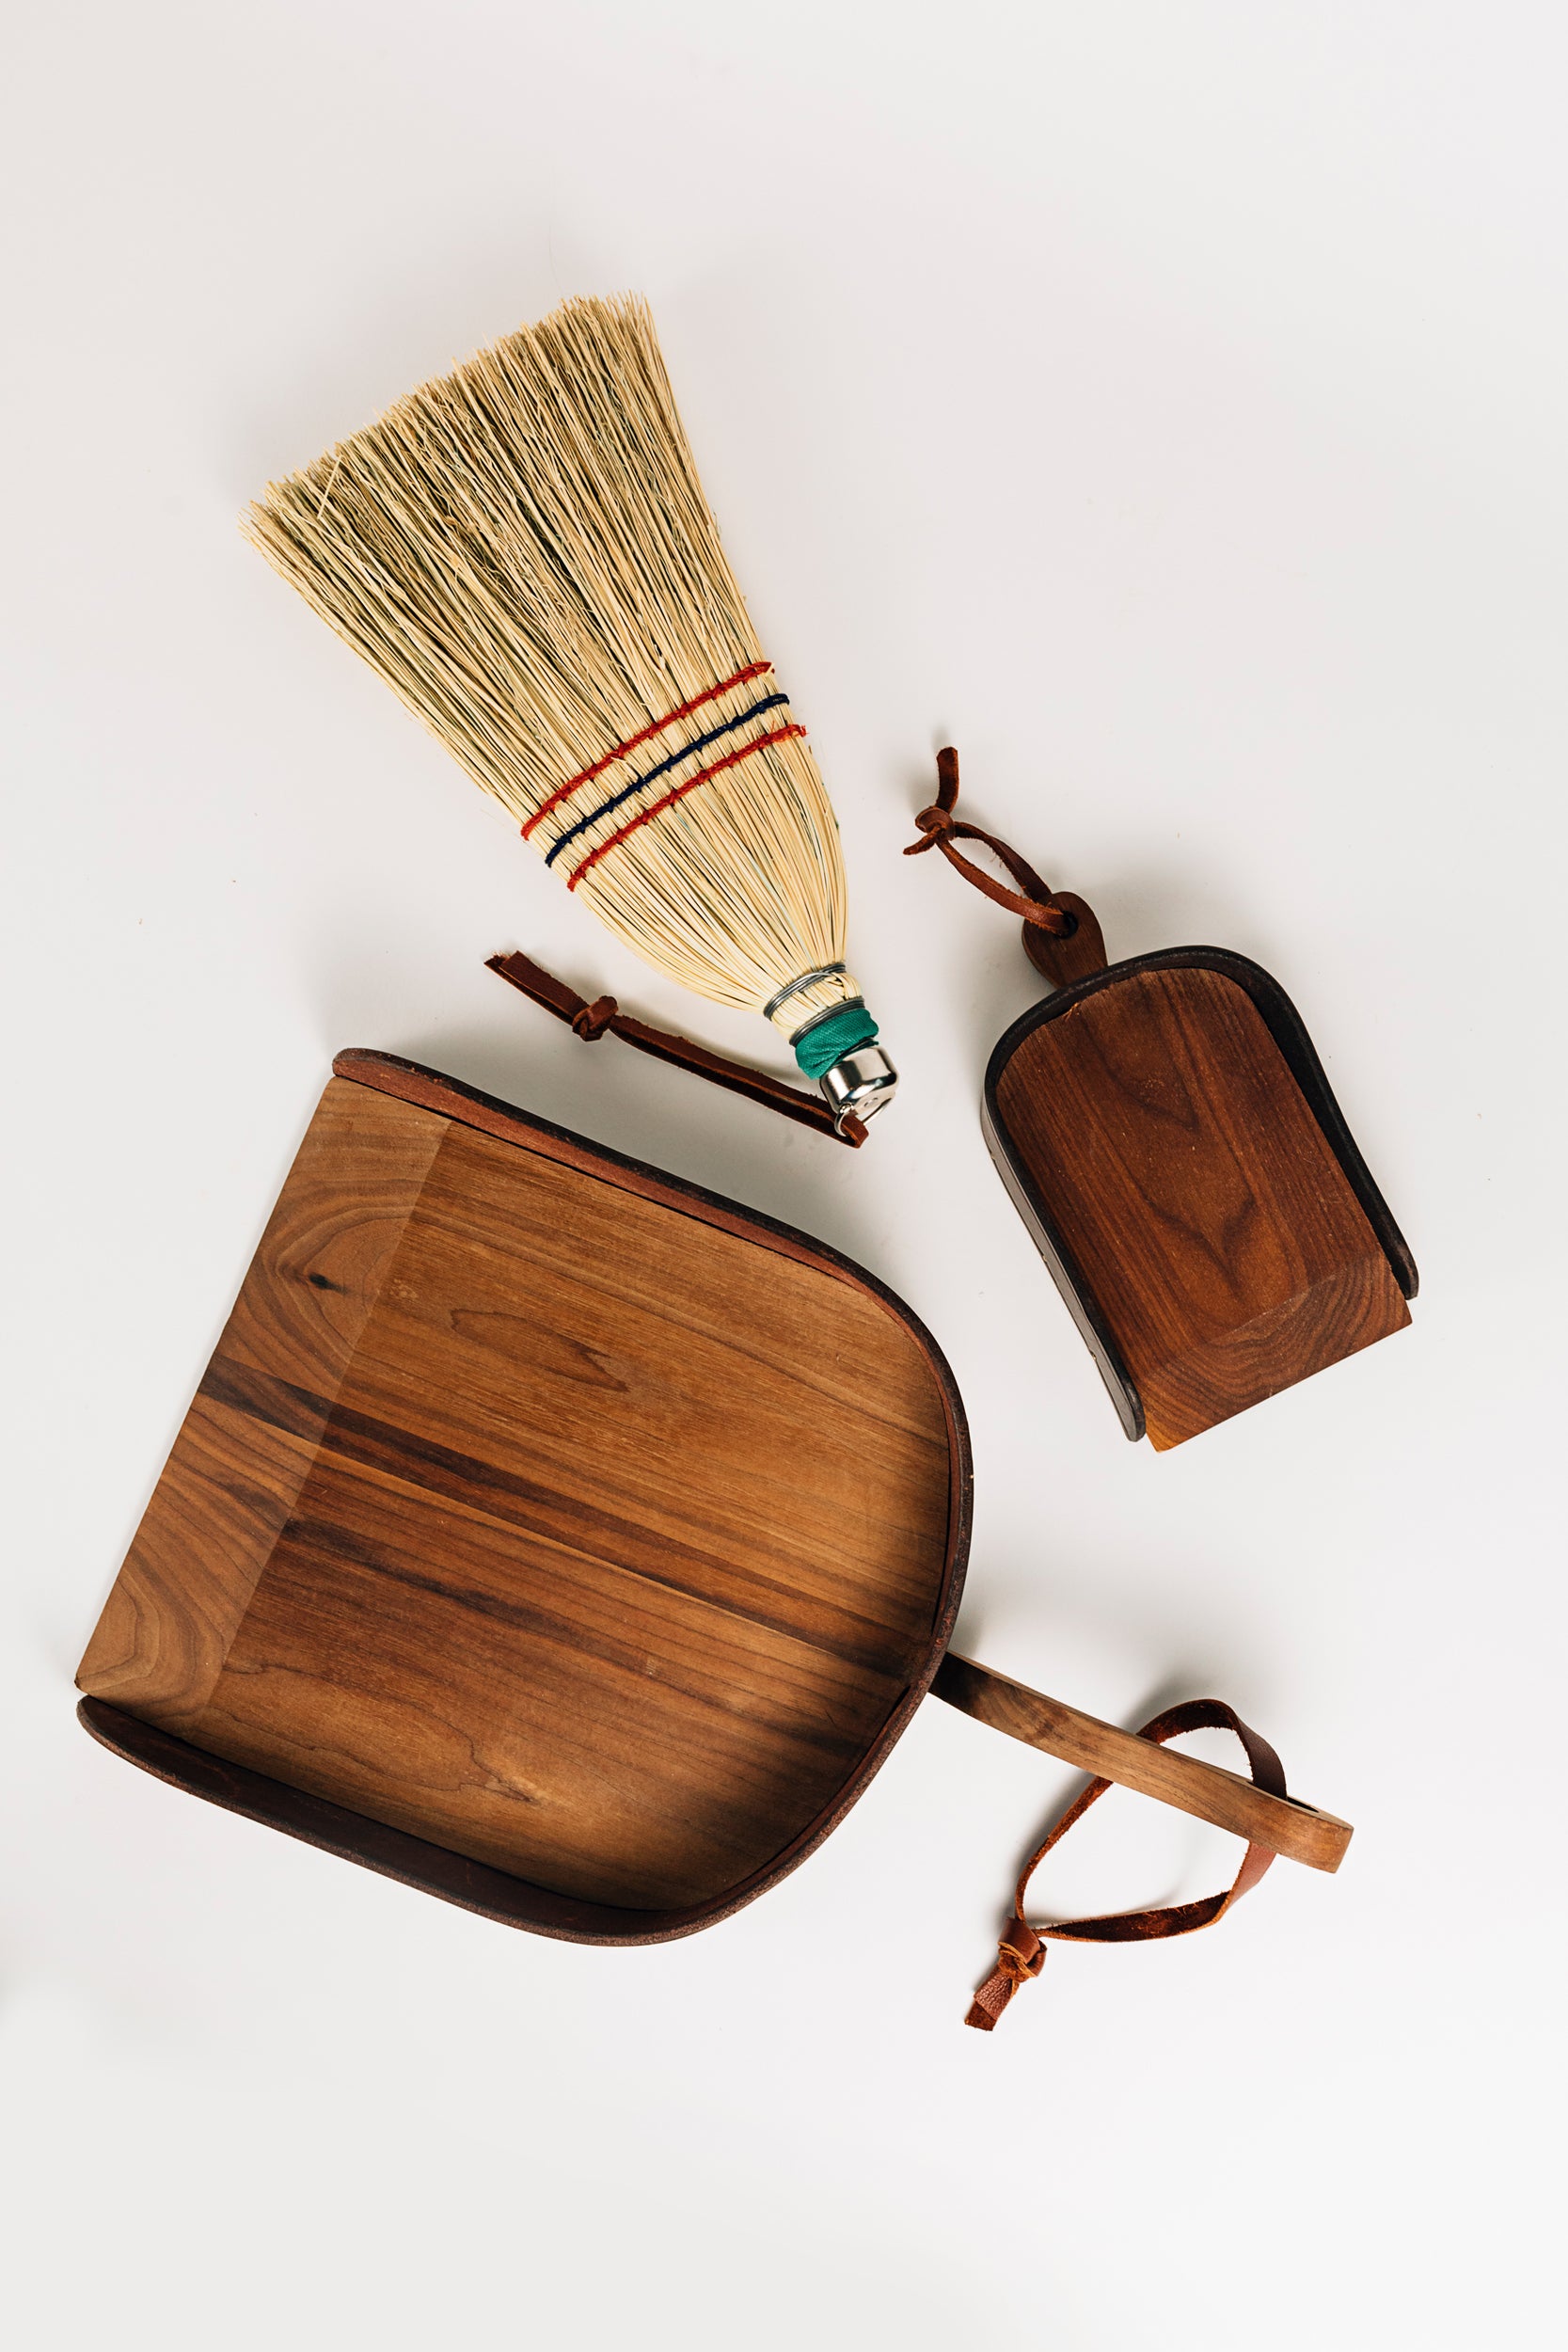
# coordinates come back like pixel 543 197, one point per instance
pixel 1061 936
pixel 940 830
pixel 1020 1953
pixel 590 1021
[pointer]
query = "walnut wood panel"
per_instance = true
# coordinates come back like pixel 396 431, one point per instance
pixel 1188 1192
pixel 187 1580
pixel 604 1547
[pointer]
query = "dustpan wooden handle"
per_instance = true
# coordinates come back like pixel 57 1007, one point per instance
pixel 1283 1824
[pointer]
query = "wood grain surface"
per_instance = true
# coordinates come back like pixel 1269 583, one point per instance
pixel 1189 1190
pixel 1284 1825
pixel 605 1546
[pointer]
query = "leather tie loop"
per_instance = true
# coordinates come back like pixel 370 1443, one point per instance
pixel 1020 1954
pixel 940 829
pixel 1061 937
pixel 591 1020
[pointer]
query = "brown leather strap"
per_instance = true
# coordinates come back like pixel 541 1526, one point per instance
pixel 1061 935
pixel 1020 1953
pixel 590 1022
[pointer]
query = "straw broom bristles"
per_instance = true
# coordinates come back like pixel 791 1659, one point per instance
pixel 523 550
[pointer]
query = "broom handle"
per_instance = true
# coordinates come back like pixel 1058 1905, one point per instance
pixel 590 1021
pixel 1283 1824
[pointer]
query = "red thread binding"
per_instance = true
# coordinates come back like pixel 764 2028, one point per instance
pixel 733 759
pixel 565 791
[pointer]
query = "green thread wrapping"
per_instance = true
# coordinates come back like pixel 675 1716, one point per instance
pixel 826 1041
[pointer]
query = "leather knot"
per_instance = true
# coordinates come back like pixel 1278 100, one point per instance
pixel 940 829
pixel 591 1020
pixel 1013 1963
pixel 1017 1962
pixel 933 822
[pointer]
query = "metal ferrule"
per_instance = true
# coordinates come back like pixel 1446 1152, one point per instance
pixel 802 981
pixel 858 1085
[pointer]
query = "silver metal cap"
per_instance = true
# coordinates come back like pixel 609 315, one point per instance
pixel 858 1085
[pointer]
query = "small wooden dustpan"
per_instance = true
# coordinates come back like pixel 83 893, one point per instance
pixel 1165 1131
pixel 570 1543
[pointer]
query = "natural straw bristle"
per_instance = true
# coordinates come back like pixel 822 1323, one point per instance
pixel 523 550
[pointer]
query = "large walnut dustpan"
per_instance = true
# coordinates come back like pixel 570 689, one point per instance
pixel 562 1539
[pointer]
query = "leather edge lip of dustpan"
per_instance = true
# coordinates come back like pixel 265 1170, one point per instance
pixel 435 1869
pixel 1289 1034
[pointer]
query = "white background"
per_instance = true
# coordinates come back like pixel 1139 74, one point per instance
pixel 1165 405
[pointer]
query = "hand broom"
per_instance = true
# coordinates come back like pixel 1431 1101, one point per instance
pixel 523 550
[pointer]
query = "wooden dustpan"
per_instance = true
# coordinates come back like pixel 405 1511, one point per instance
pixel 564 1540
pixel 1165 1131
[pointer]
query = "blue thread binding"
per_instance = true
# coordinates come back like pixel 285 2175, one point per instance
pixel 619 799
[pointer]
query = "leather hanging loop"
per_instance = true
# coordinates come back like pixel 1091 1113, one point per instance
pixel 940 829
pixel 1061 936
pixel 592 1021
pixel 1020 1954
